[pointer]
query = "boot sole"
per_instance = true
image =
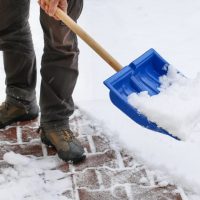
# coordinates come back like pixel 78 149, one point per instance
pixel 19 119
pixel 45 141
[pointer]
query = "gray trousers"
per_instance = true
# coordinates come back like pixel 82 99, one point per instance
pixel 59 66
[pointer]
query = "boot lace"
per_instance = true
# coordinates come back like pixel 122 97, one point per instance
pixel 67 135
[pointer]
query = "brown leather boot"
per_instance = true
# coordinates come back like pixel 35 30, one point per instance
pixel 10 113
pixel 67 146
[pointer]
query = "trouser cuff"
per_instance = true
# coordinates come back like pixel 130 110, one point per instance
pixel 55 125
pixel 21 103
pixel 21 94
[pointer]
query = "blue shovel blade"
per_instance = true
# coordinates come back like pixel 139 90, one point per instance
pixel 140 75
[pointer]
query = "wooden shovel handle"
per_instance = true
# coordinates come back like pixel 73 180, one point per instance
pixel 88 39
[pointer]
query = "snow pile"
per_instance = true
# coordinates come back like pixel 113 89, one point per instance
pixel 32 178
pixel 176 108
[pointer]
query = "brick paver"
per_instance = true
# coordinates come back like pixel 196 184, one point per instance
pixel 108 173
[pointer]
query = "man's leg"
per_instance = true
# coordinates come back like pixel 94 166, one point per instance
pixel 59 68
pixel 59 74
pixel 19 57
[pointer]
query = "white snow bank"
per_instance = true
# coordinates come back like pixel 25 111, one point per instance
pixel 176 108
pixel 31 178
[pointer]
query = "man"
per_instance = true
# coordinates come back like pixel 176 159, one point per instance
pixel 59 71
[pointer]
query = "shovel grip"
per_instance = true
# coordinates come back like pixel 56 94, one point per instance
pixel 88 39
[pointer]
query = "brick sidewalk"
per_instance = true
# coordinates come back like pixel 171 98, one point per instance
pixel 107 174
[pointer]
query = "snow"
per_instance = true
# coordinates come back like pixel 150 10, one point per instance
pixel 143 180
pixel 126 29
pixel 173 108
pixel 32 178
pixel 16 159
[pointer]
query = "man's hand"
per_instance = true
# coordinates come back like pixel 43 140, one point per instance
pixel 51 7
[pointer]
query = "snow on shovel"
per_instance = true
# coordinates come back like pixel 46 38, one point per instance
pixel 140 75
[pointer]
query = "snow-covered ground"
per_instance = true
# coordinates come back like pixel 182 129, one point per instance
pixel 127 29
pixel 31 178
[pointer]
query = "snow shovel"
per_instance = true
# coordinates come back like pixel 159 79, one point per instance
pixel 140 75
